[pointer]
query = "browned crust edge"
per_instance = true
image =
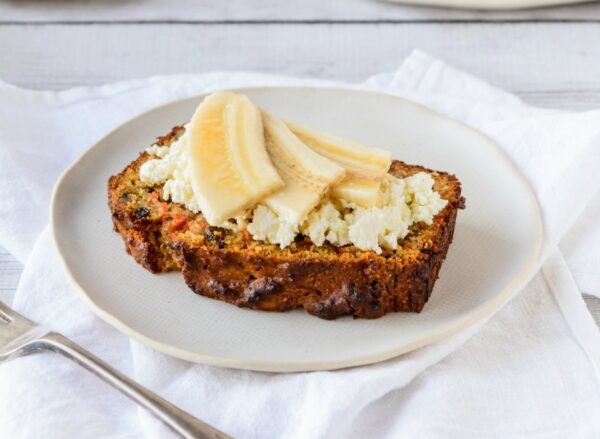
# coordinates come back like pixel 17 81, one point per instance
pixel 368 287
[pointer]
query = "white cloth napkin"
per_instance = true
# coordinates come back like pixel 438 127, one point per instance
pixel 531 370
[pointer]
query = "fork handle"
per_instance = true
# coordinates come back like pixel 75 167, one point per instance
pixel 178 420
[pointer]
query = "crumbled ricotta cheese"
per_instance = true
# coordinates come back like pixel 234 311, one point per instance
pixel 424 202
pixel 267 226
pixel 377 227
pixel 326 223
pixel 404 202
pixel 159 151
pixel 171 168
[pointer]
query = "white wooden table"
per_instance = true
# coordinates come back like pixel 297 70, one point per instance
pixel 550 57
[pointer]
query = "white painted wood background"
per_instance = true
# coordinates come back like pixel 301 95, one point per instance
pixel 550 57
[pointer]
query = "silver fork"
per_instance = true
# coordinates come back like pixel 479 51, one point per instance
pixel 20 336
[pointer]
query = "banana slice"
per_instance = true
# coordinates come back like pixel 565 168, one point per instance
pixel 358 160
pixel 365 166
pixel 364 192
pixel 307 175
pixel 229 164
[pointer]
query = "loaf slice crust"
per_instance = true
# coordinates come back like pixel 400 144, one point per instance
pixel 327 281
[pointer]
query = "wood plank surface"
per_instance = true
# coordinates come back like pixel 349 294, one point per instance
pixel 516 57
pixel 268 10
pixel 10 271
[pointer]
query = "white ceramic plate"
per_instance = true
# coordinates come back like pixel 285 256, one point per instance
pixel 496 242
pixel 490 4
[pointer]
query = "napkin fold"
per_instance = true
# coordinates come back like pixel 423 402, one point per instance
pixel 532 369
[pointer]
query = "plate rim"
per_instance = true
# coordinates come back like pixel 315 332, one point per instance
pixel 479 5
pixel 510 289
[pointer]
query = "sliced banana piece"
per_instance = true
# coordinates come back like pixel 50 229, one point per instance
pixel 229 164
pixel 364 192
pixel 357 159
pixel 307 175
pixel 365 166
